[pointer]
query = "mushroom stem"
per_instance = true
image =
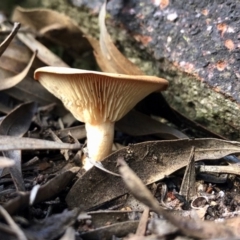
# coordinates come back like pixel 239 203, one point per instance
pixel 100 140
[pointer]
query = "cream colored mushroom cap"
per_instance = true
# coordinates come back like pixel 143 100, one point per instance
pixel 96 97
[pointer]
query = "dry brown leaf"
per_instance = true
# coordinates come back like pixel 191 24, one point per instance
pixel 152 161
pixel 16 143
pixel 44 54
pixel 108 57
pixel 17 123
pixel 55 26
pixel 188 189
pixel 12 81
pixel 17 56
pixel 6 42
pixel 29 90
pixel 11 65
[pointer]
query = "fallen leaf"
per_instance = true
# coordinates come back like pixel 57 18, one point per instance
pixel 23 143
pixel 108 57
pixel 46 191
pixel 44 54
pixel 12 81
pixel 53 25
pixel 30 90
pixel 151 161
pixel 188 185
pixel 16 123
pixel 6 42
pixel 16 57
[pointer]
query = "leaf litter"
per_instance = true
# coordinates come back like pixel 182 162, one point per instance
pixel 6 42
pixel 51 184
pixel 17 123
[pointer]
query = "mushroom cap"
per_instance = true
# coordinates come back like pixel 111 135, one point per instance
pixel 96 97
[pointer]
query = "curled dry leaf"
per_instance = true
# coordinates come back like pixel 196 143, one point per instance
pixel 53 25
pixel 16 123
pixel 151 161
pixel 108 57
pixel 13 61
pixel 16 57
pixel 12 81
pixel 31 90
pixel 188 189
pixel 9 38
pixel 44 54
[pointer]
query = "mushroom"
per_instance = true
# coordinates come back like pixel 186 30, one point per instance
pixel 98 99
